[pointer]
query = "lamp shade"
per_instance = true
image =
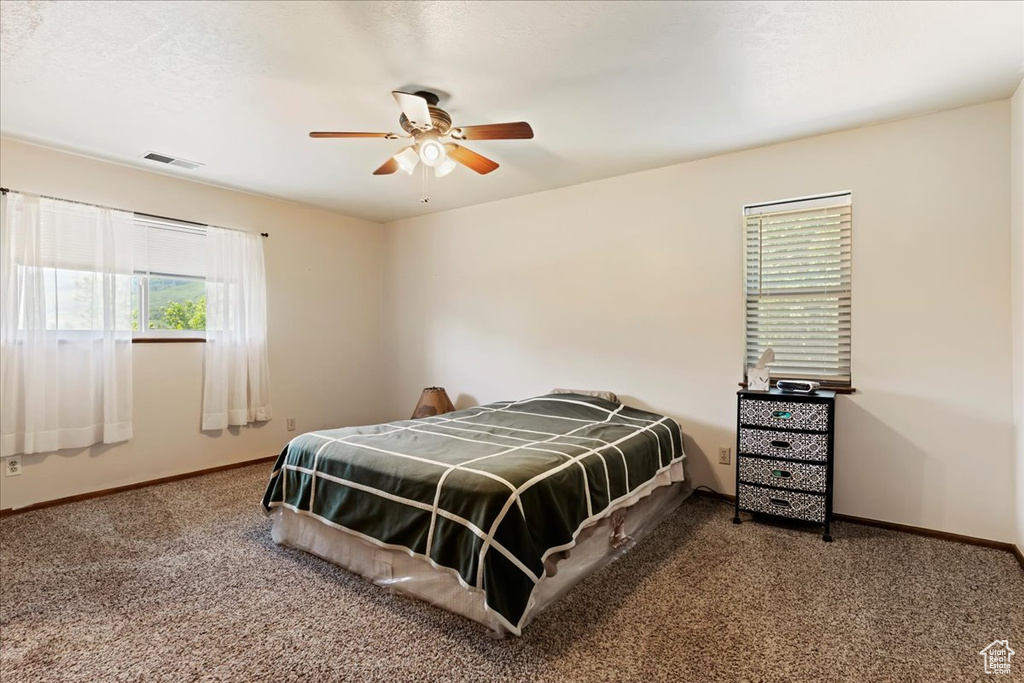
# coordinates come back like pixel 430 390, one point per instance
pixel 432 152
pixel 446 167
pixel 407 159
pixel 433 401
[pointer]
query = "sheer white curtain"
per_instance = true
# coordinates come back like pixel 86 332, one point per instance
pixel 65 325
pixel 237 382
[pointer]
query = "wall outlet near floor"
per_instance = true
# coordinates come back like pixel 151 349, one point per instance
pixel 290 423
pixel 724 455
pixel 12 466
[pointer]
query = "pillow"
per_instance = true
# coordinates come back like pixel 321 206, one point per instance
pixel 606 395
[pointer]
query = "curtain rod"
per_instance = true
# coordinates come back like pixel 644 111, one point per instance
pixel 797 199
pixel 4 190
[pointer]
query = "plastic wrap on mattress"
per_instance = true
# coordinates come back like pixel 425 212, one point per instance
pixel 395 567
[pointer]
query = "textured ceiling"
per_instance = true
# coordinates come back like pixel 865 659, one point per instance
pixel 610 88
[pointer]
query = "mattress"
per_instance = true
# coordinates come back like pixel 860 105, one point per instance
pixel 490 496
pixel 399 570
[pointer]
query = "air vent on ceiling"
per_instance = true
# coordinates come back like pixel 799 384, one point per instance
pixel 171 161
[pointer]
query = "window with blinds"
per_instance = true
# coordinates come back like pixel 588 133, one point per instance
pixel 797 256
pixel 169 296
pixel 164 272
pixel 66 256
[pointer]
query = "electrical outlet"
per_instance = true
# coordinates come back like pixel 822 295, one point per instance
pixel 12 466
pixel 724 455
pixel 290 423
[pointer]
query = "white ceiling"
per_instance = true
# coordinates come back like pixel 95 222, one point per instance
pixel 609 88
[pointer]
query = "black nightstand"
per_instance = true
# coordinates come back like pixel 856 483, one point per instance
pixel 784 455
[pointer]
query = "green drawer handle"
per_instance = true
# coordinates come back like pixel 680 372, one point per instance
pixel 782 474
pixel 782 414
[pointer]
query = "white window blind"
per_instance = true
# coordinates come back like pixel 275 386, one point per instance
pixel 66 238
pixel 166 247
pixel 160 246
pixel 798 287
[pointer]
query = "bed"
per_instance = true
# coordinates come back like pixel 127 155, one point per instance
pixel 491 512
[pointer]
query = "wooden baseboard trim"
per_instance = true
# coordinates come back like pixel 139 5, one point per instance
pixel 905 528
pixel 131 487
pixel 931 533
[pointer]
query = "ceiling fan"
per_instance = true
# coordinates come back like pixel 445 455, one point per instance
pixel 433 136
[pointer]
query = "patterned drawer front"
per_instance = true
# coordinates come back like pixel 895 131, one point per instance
pixel 806 506
pixel 787 475
pixel 793 445
pixel 784 414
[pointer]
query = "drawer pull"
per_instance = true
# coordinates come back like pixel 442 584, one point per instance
pixel 782 414
pixel 780 503
pixel 783 475
pixel 779 444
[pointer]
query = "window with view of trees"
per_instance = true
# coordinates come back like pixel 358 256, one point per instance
pixel 167 290
pixel 169 287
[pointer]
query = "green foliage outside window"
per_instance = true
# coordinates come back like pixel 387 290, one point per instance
pixel 185 315
pixel 176 303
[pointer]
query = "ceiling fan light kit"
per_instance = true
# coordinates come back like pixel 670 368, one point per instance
pixel 427 125
pixel 432 152
pixel 407 159
pixel 445 167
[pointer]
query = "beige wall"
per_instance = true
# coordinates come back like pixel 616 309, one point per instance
pixel 633 284
pixel 630 284
pixel 323 277
pixel 1017 252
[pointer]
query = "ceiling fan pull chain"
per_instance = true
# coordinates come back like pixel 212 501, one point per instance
pixel 426 180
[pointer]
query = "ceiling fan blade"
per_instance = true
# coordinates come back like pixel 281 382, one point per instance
pixel 319 134
pixel 387 168
pixel 470 159
pixel 519 130
pixel 415 109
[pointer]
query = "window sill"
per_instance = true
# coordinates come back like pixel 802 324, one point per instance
pixel 838 390
pixel 169 340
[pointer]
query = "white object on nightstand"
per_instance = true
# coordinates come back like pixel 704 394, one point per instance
pixel 758 375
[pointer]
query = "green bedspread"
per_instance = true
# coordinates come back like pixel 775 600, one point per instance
pixel 488 492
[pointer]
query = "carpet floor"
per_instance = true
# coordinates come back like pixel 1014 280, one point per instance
pixel 181 582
